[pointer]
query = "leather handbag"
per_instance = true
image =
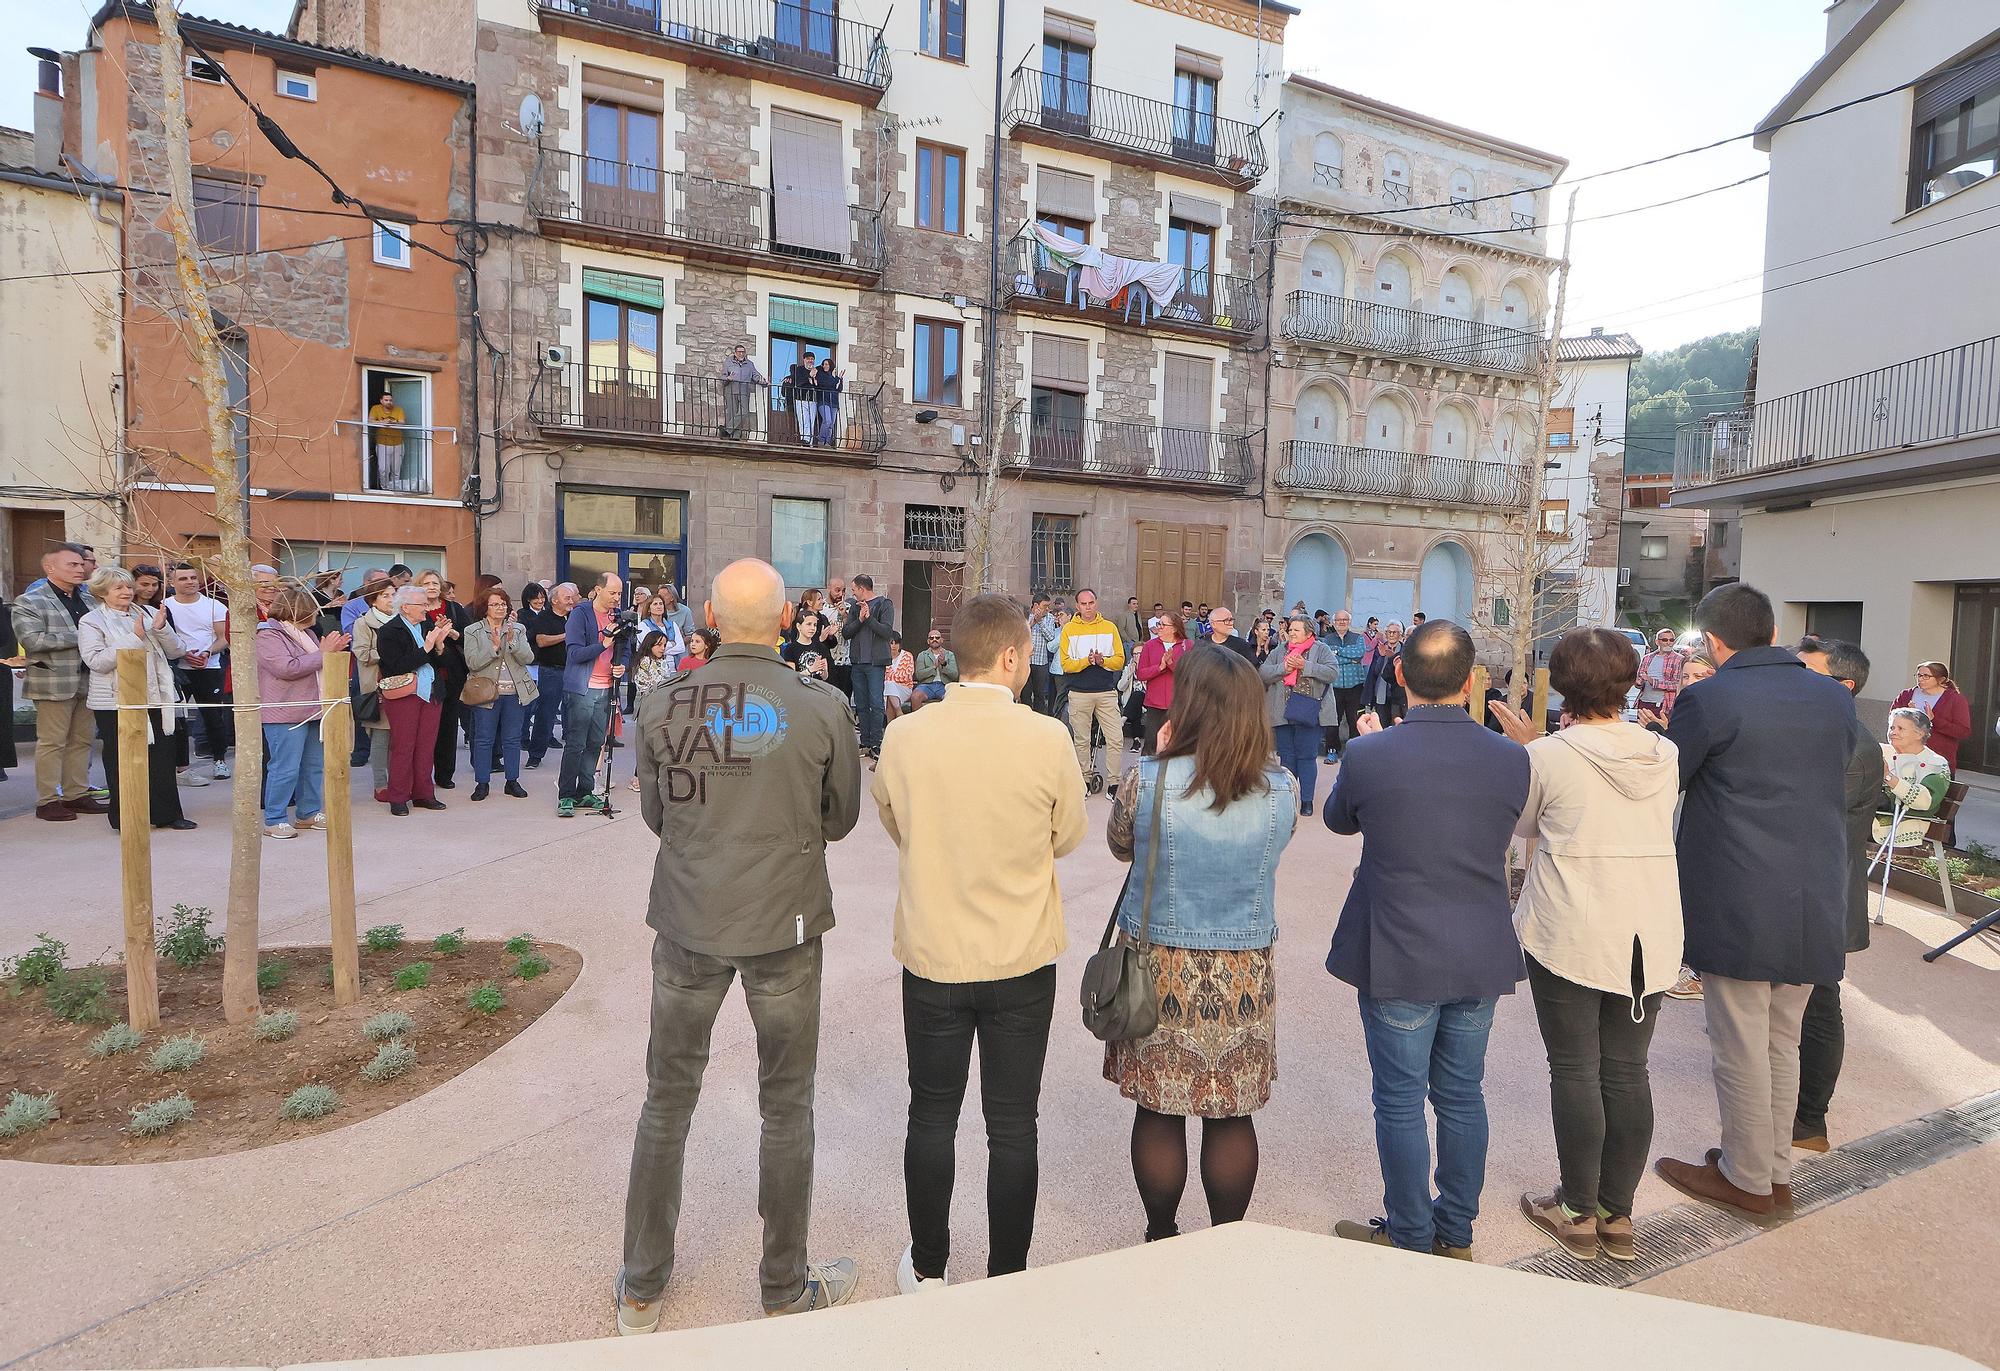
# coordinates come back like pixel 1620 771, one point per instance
pixel 1301 708
pixel 479 690
pixel 396 687
pixel 368 709
pixel 1120 990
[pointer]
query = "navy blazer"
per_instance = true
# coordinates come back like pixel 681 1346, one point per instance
pixel 1435 800
pixel 1764 749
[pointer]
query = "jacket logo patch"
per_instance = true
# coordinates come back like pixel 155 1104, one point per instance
pixel 713 729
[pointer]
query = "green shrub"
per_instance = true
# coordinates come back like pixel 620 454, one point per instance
pixel 115 1040
pixel 390 1023
pixel 177 1054
pixel 275 1028
pixel 383 938
pixel 449 944
pixel 520 945
pixel 78 998
pixel 392 1059
pixel 151 1120
pixel 271 974
pixel 25 1113
pixel 532 965
pixel 415 976
pixel 41 964
pixel 187 943
pixel 486 999
pixel 309 1102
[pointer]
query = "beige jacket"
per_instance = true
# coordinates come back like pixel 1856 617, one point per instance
pixel 981 796
pixel 1600 813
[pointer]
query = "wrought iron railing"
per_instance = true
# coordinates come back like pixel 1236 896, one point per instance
pixel 1524 222
pixel 1311 317
pixel 682 404
pixel 1106 448
pixel 1337 469
pixel 1157 128
pixel 1950 394
pixel 1206 299
pixel 1396 192
pixel 798 35
pixel 1327 176
pixel 630 198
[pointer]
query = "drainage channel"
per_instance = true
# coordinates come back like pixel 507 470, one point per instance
pixel 1689 1231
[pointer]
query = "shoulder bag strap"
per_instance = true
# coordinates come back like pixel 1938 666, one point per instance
pixel 1153 848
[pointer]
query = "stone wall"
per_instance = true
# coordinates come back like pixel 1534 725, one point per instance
pixel 433 36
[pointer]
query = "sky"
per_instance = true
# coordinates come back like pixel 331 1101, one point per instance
pixel 1599 82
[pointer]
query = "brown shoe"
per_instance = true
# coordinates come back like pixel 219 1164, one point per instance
pixel 1816 1143
pixel 1781 1194
pixel 56 812
pixel 1578 1236
pixel 87 806
pixel 1706 1183
pixel 1615 1237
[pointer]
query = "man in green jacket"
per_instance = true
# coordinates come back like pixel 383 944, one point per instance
pixel 747 771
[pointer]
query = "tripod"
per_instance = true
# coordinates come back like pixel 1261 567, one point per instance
pixel 603 786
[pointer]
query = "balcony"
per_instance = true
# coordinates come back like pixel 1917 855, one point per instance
pixel 1331 469
pixel 624 205
pixel 679 408
pixel 395 468
pixel 1210 305
pixel 803 44
pixel 1112 123
pixel 1101 450
pixel 1928 418
pixel 1365 326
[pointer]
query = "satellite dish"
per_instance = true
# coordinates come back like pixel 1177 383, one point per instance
pixel 532 118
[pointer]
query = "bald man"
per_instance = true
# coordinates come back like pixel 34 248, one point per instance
pixel 747 771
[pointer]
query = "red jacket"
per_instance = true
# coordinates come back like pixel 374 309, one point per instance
pixel 1951 723
pixel 1156 669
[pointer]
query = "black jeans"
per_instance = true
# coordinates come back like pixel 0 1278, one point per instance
pixel 163 799
pixel 1010 1019
pixel 1150 735
pixel 1599 1089
pixel 444 756
pixel 1822 1045
pixel 1349 700
pixel 1041 698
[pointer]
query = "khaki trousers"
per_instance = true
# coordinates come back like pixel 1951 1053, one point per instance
pixel 63 730
pixel 1102 705
pixel 1753 1032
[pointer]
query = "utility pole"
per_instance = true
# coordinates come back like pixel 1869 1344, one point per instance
pixel 985 509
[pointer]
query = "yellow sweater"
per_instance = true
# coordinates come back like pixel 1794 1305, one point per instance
pixel 981 796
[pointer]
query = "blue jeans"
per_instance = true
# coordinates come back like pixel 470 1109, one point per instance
pixel 293 752
pixel 868 702
pixel 538 730
pixel 587 716
pixel 1439 1049
pixel 502 718
pixel 1298 750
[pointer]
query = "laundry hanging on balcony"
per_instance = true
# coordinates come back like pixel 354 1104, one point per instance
pixel 1102 276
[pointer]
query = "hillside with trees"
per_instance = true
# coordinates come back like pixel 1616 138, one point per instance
pixel 1682 384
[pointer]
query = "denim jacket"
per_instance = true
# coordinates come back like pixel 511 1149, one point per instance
pixel 1216 883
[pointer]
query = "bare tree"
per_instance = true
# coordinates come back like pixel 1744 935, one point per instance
pixel 239 957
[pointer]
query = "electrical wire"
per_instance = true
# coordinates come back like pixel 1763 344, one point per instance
pixel 1487 233
pixel 160 266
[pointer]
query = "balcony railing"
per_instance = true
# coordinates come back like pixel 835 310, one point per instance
pixel 1463 343
pixel 1523 222
pixel 1113 450
pixel 1155 129
pixel 402 468
pixel 805 36
pixel 688 405
pixel 706 217
pixel 1336 469
pixel 1326 175
pixel 1946 395
pixel 1207 301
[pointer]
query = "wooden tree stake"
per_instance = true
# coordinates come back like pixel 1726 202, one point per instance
pixel 336 737
pixel 135 841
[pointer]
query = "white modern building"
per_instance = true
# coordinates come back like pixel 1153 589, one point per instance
pixel 1583 468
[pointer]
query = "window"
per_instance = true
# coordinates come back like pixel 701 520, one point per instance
pixel 1191 246
pixel 1462 196
pixel 201 69
pixel 798 541
pixel 1059 382
pixel 1562 427
pixel 1066 77
pixel 1653 547
pixel 1555 518
pixel 933 528
pixel 1194 114
pixel 298 85
pixel 236 385
pixel 1396 178
pixel 1834 619
pixel 802 333
pixel 225 215
pixel 1956 130
pixel 621 167
pixel 392 244
pixel 941 29
pixel 301 560
pixel 940 188
pixel 1521 209
pixel 1327 161
pixel 937 363
pixel 395 431
pixel 1052 554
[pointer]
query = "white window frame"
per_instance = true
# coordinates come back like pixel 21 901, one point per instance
pixel 1653 547
pixel 310 81
pixel 195 60
pixel 412 424
pixel 392 228
pixel 306 557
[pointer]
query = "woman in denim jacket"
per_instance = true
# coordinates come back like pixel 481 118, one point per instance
pixel 1229 809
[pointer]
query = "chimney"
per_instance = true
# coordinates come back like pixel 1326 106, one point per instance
pixel 1843 15
pixel 1597 330
pixel 48 110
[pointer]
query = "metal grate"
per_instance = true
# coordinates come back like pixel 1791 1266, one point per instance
pixel 933 528
pixel 1052 554
pixel 1686 1232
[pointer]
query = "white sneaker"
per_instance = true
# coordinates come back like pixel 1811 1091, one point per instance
pixel 190 778
pixel 222 771
pixel 908 1282
pixel 281 831
pixel 316 821
pixel 636 1318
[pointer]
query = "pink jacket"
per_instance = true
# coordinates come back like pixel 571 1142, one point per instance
pixel 1156 669
pixel 287 676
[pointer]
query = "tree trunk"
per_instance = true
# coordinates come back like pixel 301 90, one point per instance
pixel 239 956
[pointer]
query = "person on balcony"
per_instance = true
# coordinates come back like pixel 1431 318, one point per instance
pixel 830 383
pixel 802 394
pixel 740 379
pixel 385 434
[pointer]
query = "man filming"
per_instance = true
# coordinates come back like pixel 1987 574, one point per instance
pixel 597 647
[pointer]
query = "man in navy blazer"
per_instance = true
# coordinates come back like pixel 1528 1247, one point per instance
pixel 1427 934
pixel 1764 750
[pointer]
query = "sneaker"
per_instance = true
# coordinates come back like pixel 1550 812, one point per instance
pixel 1441 1248
pixel 515 789
pixel 636 1318
pixel 1578 1236
pixel 827 1284
pixel 316 821
pixel 1374 1231
pixel 1614 1235
pixel 190 778
pixel 1305 809
pixel 280 831
pixel 97 793
pixel 908 1282
pixel 1812 1142
pixel 533 764
pixel 1688 987
pixel 221 771
pixel 590 802
pixel 1333 759
pixel 565 809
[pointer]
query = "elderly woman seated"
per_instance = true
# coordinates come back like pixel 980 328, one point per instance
pixel 1914 779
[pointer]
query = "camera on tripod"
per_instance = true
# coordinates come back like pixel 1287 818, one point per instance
pixel 624 624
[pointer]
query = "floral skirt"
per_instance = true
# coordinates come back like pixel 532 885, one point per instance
pixel 1215 1052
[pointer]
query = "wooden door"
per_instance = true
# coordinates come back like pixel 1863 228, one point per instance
pixel 1181 562
pixel 32 532
pixel 1188 410
pixel 621 167
pixel 809 201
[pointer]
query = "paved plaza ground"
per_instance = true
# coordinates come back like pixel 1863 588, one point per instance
pixel 487 1212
